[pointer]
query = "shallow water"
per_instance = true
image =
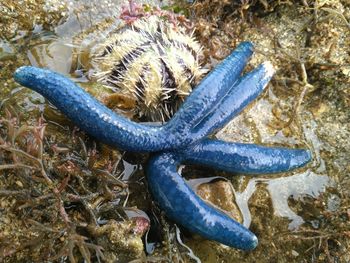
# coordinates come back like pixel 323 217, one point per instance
pixel 274 206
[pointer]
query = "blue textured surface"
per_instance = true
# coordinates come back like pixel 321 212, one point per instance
pixel 113 129
pixel 211 90
pixel 219 97
pixel 90 115
pixel 181 204
pixel 244 92
pixel 244 158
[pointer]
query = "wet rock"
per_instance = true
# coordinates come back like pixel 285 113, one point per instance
pixel 121 241
pixel 221 194
pixel 6 50
pixel 291 37
pixel 16 16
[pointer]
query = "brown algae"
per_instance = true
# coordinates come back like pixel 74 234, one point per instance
pixel 65 196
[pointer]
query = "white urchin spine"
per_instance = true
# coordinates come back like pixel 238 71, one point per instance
pixel 152 62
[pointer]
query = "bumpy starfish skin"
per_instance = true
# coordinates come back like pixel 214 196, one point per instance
pixel 115 130
pixel 186 208
pixel 215 101
pixel 182 205
pixel 243 158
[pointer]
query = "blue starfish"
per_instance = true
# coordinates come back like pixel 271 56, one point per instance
pixel 221 95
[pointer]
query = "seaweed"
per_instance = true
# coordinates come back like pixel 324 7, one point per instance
pixel 80 214
pixel 58 197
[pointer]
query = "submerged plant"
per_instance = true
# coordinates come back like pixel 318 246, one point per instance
pixel 56 195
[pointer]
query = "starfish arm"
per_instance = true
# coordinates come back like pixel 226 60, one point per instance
pixel 115 130
pixel 244 158
pixel 245 91
pixel 211 90
pixel 181 204
pixel 91 116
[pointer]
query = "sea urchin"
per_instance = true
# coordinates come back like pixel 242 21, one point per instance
pixel 153 60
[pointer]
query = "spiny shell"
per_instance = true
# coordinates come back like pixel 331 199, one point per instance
pixel 151 60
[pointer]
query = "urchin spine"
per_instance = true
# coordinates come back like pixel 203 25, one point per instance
pixel 152 61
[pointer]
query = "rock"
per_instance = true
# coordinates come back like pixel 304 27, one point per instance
pixel 121 241
pixel 221 194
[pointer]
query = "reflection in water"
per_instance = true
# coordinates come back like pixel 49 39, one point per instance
pixel 296 186
pixel 55 50
pixel 309 129
pixel 56 55
pixel 195 183
pixel 129 170
pixel 281 189
pixel 254 126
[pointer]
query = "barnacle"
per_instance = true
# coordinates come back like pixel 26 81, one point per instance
pixel 152 60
